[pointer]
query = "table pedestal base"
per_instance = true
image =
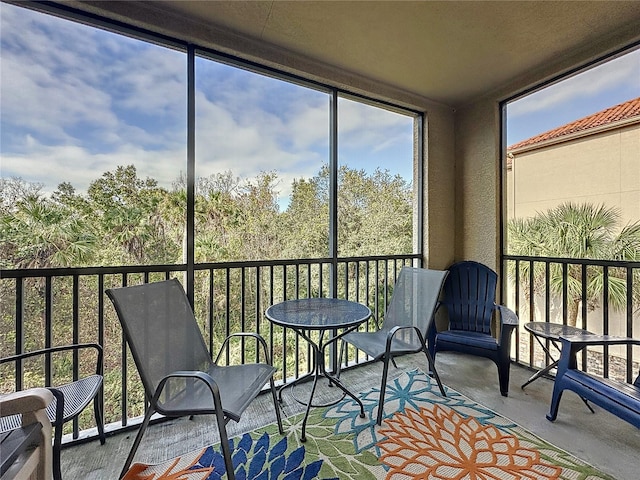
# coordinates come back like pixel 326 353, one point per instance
pixel 318 372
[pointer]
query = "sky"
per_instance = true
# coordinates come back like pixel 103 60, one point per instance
pixel 596 89
pixel 78 101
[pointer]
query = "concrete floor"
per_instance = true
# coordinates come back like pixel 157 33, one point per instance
pixel 600 439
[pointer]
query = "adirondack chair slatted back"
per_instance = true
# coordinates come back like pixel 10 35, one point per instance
pixel 469 296
pixel 161 331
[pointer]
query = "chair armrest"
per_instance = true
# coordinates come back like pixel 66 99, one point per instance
pixel 199 376
pixel 572 344
pixel 61 348
pixel 397 328
pixel 261 341
pixel 31 404
pixel 507 316
pixel 508 323
pixel 25 401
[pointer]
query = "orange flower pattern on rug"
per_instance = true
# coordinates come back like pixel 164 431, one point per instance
pixel 438 443
pixel 175 470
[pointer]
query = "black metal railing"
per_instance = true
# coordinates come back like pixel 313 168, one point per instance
pixel 600 296
pixel 45 307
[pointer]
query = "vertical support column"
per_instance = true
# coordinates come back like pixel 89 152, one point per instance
pixel 191 171
pixel 333 210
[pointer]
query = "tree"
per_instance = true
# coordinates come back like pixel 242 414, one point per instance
pixel 375 213
pixel 131 218
pixel 577 231
pixel 15 189
pixel 40 233
pixel 305 231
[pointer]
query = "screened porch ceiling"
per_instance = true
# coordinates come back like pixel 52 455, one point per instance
pixel 449 52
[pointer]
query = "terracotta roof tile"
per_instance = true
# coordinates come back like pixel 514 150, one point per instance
pixel 613 114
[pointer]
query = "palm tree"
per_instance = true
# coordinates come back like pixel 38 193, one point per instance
pixel 577 231
pixel 39 233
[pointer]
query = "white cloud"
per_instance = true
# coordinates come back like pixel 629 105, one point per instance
pixel 80 101
pixel 51 165
pixel 618 73
pixel 364 126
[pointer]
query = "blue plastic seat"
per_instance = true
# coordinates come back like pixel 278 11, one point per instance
pixel 469 299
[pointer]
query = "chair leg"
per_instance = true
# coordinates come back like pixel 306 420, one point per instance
pixel 57 447
pixel 276 405
pixel 136 442
pixel 57 422
pixel 555 404
pixel 503 377
pixel 434 372
pixel 383 387
pixel 343 349
pixel 224 444
pixel 97 412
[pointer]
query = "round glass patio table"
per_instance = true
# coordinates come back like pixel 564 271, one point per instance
pixel 332 316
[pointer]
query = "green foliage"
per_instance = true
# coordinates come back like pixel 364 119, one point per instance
pixel 578 231
pixel 126 220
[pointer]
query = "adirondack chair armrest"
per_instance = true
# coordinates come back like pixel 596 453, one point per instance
pixel 507 316
pixel 508 323
pixel 24 401
pixel 572 344
pixel 261 341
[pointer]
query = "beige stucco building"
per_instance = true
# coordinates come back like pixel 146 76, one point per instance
pixel 593 160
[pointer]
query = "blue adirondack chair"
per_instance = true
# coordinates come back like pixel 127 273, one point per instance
pixel 469 299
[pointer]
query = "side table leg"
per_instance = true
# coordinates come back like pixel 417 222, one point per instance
pixel 539 373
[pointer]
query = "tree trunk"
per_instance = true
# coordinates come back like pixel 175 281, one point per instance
pixel 572 314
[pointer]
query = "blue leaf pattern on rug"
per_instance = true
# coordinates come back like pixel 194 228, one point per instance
pixel 255 460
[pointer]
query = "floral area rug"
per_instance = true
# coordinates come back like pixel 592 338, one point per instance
pixel 424 436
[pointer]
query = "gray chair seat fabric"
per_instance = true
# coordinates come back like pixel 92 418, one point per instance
pixel 375 343
pixel 77 396
pixel 238 384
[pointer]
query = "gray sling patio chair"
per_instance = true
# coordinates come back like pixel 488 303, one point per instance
pixel 177 371
pixel 406 321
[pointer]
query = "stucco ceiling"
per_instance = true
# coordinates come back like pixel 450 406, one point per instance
pixel 450 52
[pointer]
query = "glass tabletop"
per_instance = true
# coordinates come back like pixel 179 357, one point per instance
pixel 554 331
pixel 318 313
